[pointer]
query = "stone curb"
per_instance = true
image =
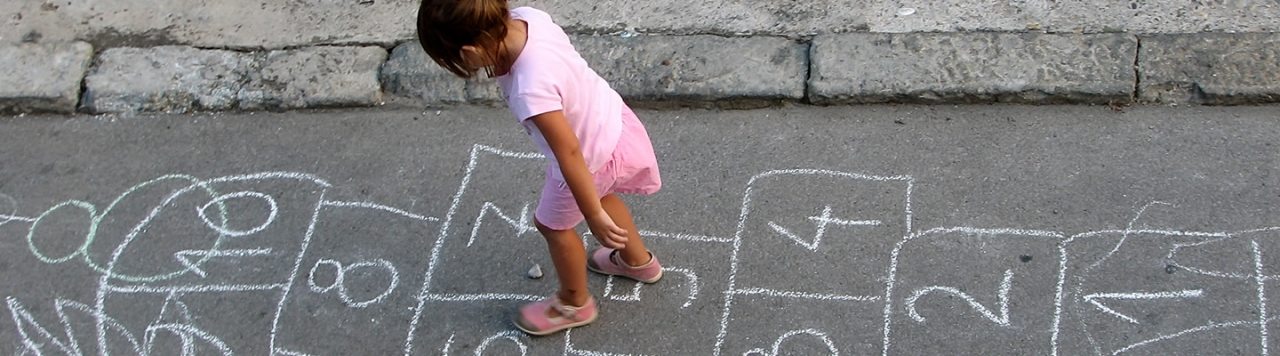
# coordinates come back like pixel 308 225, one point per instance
pixel 43 78
pixel 182 79
pixel 834 69
pixel 1210 68
pixel 972 68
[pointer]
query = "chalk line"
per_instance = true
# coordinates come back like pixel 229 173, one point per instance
pixel 199 288
pixel 802 295
pixel 510 335
pixel 777 344
pixel 434 297
pixel 368 205
pixel 1262 294
pixel 1093 299
pixel 1002 298
pixel 522 225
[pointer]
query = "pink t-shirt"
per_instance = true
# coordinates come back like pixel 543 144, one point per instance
pixel 550 75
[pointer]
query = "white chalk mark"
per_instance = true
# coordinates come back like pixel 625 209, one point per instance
pixel 1181 333
pixel 1002 298
pixel 12 215
pixel 340 279
pixel 741 228
pixel 184 256
pixel 273 211
pixel 337 275
pixel 377 263
pixel 777 344
pixel 569 349
pixel 366 205
pixel 480 297
pixel 189 335
pixel 7 218
pixel 448 344
pixel 800 295
pixel 1261 280
pixel 289 353
pixel 821 220
pixel 693 284
pixel 1094 299
pixel 70 346
pixel 1125 235
pixel 510 335
pixel 522 225
pixel 1173 260
pixel 684 237
pixel 635 291
pixel 200 288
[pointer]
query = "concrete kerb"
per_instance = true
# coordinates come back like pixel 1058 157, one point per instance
pixel 683 70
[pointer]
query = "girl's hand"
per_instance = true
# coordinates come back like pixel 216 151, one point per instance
pixel 605 231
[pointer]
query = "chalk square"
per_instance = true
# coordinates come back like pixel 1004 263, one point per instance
pixel 812 240
pixel 941 274
pixel 767 325
pixel 362 271
pixel 491 242
pixel 1147 291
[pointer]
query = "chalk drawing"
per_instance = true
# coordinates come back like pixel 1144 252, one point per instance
pixel 821 221
pixel 1002 298
pixel 821 336
pixel 340 273
pixel 195 270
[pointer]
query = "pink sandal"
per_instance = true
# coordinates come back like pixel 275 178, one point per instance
pixel 533 317
pixel 609 261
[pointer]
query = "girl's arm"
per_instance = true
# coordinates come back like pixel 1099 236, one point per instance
pixel 564 144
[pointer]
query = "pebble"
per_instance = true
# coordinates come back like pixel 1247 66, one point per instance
pixel 535 272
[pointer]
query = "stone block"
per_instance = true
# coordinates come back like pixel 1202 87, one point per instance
pixel 972 67
pixel 167 78
pixel 1210 68
pixel 43 77
pixel 316 77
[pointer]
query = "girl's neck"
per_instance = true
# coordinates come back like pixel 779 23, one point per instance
pixel 517 36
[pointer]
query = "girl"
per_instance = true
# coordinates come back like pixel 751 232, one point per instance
pixel 596 146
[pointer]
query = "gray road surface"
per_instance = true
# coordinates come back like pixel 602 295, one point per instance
pixel 902 230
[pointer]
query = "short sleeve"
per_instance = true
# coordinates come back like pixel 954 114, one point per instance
pixel 534 96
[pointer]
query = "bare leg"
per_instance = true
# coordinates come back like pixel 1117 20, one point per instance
pixel 635 253
pixel 570 258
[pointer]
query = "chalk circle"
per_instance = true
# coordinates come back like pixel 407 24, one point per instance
pixel 337 276
pixel 831 347
pixel 88 238
pixel 378 263
pixel 340 280
pixel 513 336
pixel 223 229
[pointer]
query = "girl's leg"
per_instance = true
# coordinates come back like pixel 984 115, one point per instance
pixel 570 259
pixel 635 253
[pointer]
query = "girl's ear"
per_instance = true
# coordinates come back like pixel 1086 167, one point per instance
pixel 470 50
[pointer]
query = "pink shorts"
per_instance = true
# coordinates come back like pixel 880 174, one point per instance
pixel 632 170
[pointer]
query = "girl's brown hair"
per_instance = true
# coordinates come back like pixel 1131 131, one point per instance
pixel 444 26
